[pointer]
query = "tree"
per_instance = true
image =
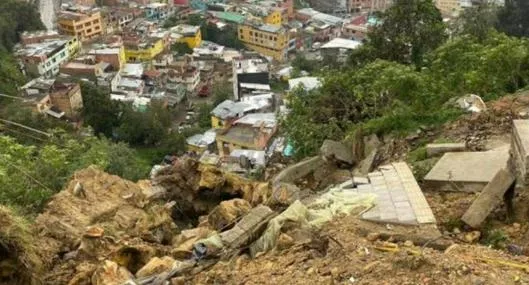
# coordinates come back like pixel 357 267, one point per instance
pixel 204 115
pixel 15 18
pixel 181 48
pixel 408 30
pixel 227 37
pixel 99 111
pixel 29 175
pixel 477 21
pixel 512 18
pixel 222 92
pixel 144 128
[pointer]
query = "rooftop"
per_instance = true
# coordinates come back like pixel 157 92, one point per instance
pixel 186 30
pixel 267 120
pixel 46 48
pixel 229 109
pixel 326 18
pixel 252 65
pixel 229 16
pixel 342 43
pixel 130 83
pixel 202 140
pixel 132 70
pixel 257 156
pixel 307 83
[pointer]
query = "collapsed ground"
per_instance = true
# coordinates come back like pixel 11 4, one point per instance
pixel 103 230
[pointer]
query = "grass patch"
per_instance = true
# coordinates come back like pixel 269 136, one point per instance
pixel 404 122
pixel 495 239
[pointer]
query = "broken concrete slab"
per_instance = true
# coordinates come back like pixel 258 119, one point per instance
pixel 466 171
pixel 400 199
pixel 490 198
pixel 441 148
pixel 298 170
pixel 520 150
pixel 248 228
pixel 333 150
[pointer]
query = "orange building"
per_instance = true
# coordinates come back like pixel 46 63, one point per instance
pixel 85 26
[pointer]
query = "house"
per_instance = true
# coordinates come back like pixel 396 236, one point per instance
pixel 67 98
pixel 44 59
pixel 130 87
pixel 338 49
pixel 158 11
pixel 227 112
pixel 132 70
pixel 142 48
pixel 73 44
pixel 199 143
pixel 306 83
pixel 84 69
pixel 268 40
pixel 114 56
pixel 190 35
pixel 252 132
pixel 84 24
pixel 250 74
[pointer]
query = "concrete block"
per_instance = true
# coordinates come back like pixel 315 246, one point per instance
pixel 490 198
pixel 441 148
pixel 466 171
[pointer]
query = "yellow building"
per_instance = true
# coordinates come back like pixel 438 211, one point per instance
pixel 84 26
pixel 268 40
pixel 146 50
pixel 74 46
pixel 191 35
pixel 275 17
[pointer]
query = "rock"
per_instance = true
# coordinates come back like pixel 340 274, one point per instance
pixel 310 271
pixel 227 213
pixel 156 266
pixel 516 226
pixel 441 148
pixel 472 236
pixel 181 280
pixel 472 103
pixel 408 243
pixel 110 273
pixel 211 178
pixel 285 194
pixel 335 272
pixel 183 243
pixel 368 268
pixel 284 241
pixel 94 232
pixel 333 150
pixel 372 236
pixel 456 231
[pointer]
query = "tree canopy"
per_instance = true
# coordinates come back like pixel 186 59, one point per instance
pixel 407 31
pixel 512 18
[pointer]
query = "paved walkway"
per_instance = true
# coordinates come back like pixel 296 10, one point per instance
pixel 400 199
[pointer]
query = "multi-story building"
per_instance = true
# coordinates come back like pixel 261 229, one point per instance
pixel 72 43
pixel 191 35
pixel 67 98
pixel 142 48
pixel 252 132
pixel 115 56
pixel 85 25
pixel 248 73
pixel 268 40
pixel 44 59
pixel 187 75
pixel 158 11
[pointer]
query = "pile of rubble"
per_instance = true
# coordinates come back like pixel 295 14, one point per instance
pixel 195 223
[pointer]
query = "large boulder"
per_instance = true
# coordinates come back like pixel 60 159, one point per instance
pixel 156 266
pixel 110 273
pixel 227 213
pixel 184 242
pixel 337 151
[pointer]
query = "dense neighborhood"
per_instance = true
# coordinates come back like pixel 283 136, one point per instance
pixel 173 142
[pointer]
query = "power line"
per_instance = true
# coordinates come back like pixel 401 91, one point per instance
pixel 26 174
pixel 11 97
pixel 25 127
pixel 4 127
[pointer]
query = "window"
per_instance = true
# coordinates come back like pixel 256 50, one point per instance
pixel 89 30
pixel 240 31
pixel 251 33
pixel 78 27
pixel 95 22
